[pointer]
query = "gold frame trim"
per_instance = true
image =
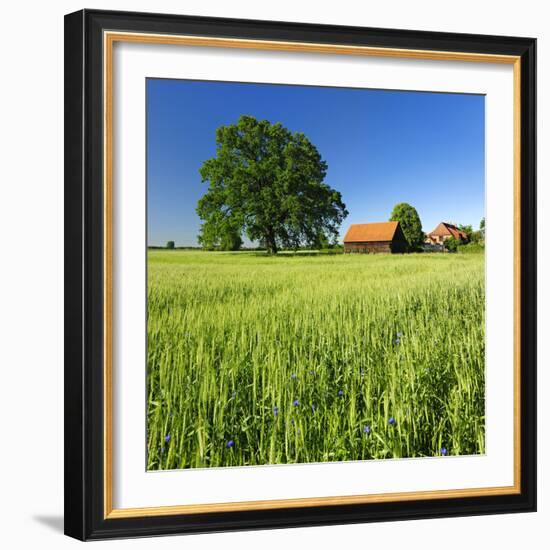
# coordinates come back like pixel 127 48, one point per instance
pixel 109 39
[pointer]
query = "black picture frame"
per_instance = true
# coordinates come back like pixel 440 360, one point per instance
pixel 84 281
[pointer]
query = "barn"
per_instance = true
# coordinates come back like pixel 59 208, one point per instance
pixel 444 231
pixel 372 238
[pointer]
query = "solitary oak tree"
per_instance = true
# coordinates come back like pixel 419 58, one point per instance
pixel 410 223
pixel 268 183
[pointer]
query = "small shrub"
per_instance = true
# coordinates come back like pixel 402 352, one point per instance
pixel 471 248
pixel 451 244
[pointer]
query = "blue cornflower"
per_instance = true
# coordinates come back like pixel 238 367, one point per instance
pixel 167 438
pixel 399 334
pixel 296 402
pixel 313 407
pixel 230 444
pixel 293 376
pixel 275 410
pixel 443 451
pixel 366 429
pixel 391 421
pixel 397 341
pixel 340 392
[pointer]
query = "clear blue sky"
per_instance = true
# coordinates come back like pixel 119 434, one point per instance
pixel 382 147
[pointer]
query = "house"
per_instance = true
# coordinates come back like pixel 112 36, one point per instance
pixel 443 232
pixel 380 237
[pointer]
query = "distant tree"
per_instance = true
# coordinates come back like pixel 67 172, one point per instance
pixel 268 183
pixel 410 223
pixel 479 236
pixel 170 245
pixel 468 230
pixel 451 244
pixel 476 237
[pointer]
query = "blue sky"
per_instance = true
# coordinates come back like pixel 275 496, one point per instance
pixel 382 147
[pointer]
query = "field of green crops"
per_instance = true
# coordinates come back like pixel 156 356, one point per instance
pixel 267 360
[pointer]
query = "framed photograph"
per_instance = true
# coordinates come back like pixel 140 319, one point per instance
pixel 300 274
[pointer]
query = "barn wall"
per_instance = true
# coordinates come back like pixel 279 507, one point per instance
pixel 399 243
pixel 399 246
pixel 368 247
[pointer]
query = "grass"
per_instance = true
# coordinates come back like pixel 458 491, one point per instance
pixel 308 359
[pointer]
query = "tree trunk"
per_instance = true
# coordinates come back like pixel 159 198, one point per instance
pixel 270 243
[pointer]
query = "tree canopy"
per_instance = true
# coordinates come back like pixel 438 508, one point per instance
pixel 410 223
pixel 268 183
pixel 468 229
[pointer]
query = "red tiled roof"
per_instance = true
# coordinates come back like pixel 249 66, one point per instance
pixel 445 228
pixel 371 232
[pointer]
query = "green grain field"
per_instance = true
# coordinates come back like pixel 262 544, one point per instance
pixel 271 360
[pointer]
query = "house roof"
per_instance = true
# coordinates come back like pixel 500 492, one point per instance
pixel 371 232
pixel 445 228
